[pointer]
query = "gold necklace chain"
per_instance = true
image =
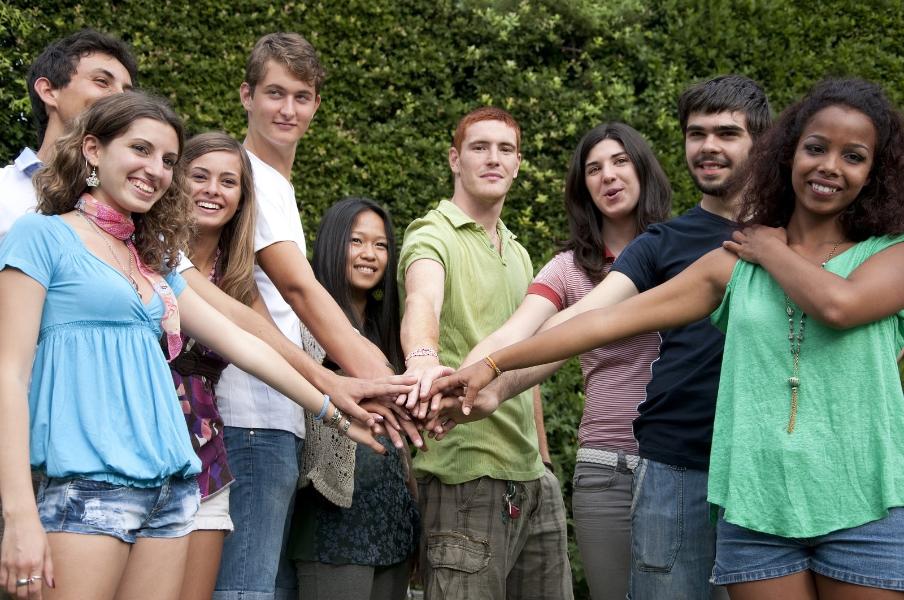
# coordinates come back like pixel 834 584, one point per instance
pixel 795 339
pixel 127 272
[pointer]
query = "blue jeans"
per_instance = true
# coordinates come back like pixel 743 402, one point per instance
pixel 265 465
pixel 673 539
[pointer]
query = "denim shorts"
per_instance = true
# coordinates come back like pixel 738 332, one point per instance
pixel 870 555
pixel 126 513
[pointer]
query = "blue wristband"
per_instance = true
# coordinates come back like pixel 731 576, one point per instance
pixel 326 404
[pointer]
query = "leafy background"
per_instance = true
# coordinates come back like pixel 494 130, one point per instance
pixel 401 73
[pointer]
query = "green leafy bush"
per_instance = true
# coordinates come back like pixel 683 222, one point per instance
pixel 401 73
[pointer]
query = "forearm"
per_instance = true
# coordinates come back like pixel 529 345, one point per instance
pixel 254 356
pixel 494 341
pixel 524 322
pixel 512 383
pixel 256 321
pixel 870 292
pixel 542 442
pixel 420 328
pixel 689 297
pixel 815 290
pixel 15 469
pixel 265 329
pixel 332 329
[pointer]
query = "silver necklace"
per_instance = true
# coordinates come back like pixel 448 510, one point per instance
pixel 795 339
pixel 127 272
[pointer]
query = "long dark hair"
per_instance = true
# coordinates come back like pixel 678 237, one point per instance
pixel 585 221
pixel 330 263
pixel 768 198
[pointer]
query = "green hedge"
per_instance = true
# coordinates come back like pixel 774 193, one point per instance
pixel 402 72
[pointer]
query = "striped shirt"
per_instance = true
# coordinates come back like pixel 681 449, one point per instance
pixel 615 376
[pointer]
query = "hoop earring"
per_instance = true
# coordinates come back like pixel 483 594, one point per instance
pixel 91 180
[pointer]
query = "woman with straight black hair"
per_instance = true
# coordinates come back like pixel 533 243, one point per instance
pixel 356 527
pixel 614 189
pixel 378 316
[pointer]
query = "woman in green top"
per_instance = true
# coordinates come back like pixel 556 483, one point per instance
pixel 807 460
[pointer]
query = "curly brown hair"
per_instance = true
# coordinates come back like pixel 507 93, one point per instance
pixel 768 198
pixel 162 232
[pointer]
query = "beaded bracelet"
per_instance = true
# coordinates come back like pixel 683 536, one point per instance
pixel 326 405
pixel 343 430
pixel 422 351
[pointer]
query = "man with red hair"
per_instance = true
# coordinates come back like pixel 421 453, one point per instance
pixel 493 516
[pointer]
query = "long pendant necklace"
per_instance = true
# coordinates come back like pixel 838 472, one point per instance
pixel 795 339
pixel 127 272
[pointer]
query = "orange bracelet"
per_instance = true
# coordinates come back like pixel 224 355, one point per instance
pixel 492 364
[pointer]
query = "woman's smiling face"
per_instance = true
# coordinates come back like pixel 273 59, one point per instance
pixel 135 168
pixel 368 252
pixel 833 159
pixel 215 181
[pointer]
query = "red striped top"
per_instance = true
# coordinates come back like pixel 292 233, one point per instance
pixel 615 376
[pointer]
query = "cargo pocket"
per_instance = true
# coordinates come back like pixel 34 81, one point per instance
pixel 454 557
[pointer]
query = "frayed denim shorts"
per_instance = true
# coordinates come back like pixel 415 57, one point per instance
pixel 870 555
pixel 126 513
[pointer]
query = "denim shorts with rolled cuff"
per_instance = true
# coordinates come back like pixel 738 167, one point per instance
pixel 870 555
pixel 127 513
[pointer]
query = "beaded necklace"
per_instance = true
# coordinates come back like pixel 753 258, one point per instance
pixel 795 339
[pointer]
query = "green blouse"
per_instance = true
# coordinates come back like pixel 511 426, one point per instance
pixel 843 464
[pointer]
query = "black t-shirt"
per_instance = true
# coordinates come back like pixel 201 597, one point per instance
pixel 675 425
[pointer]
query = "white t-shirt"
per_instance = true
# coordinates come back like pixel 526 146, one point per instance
pixel 245 401
pixel 17 194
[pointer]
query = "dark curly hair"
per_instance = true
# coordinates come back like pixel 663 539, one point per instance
pixel 585 221
pixel 768 198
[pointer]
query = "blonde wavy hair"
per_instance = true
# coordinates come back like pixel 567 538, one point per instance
pixel 162 232
pixel 236 268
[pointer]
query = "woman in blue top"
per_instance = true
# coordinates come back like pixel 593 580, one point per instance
pixel 807 458
pixel 85 294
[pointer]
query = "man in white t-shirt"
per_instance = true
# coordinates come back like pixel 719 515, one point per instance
pixel 264 430
pixel 66 78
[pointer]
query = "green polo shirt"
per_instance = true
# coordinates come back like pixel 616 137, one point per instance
pixel 482 289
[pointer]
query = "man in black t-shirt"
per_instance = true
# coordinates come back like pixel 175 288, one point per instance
pixel 673 537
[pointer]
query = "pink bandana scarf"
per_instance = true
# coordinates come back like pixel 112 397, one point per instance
pixel 122 228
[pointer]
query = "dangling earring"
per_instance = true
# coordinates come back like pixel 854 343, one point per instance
pixel 377 294
pixel 91 180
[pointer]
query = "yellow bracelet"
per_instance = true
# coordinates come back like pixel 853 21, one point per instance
pixel 492 364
